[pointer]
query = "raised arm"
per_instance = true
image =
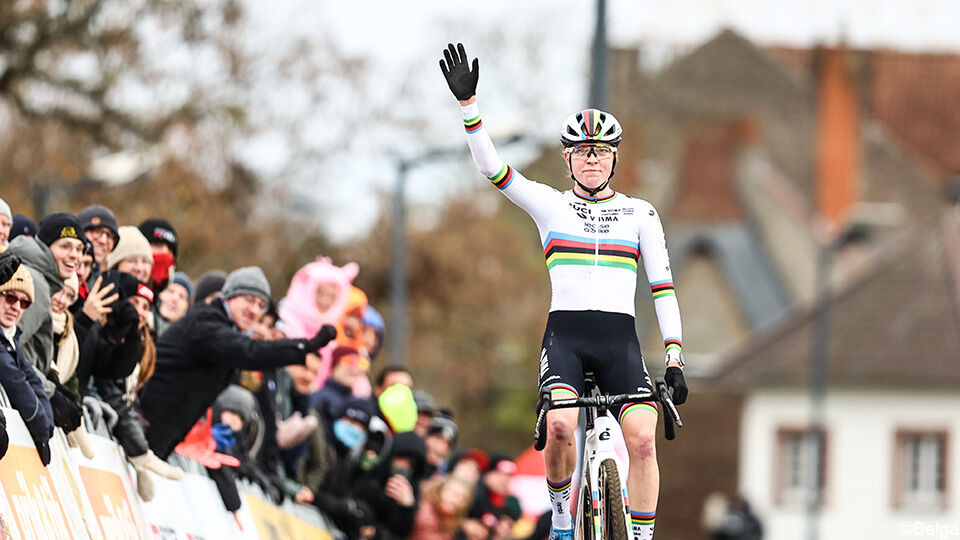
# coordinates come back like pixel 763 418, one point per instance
pixel 534 198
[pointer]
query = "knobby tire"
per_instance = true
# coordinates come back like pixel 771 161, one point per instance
pixel 614 515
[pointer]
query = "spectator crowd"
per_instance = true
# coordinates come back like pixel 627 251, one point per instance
pixel 97 325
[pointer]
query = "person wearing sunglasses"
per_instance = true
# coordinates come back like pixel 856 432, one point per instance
pixel 17 376
pixel 593 239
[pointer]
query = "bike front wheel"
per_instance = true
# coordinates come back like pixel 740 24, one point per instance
pixel 584 526
pixel 613 502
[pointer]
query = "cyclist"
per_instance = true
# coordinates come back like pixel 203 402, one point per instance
pixel 593 238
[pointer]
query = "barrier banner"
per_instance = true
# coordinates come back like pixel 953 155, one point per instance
pixel 300 529
pixel 269 520
pixel 30 506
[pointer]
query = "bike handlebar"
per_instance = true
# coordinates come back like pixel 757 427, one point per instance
pixel 661 394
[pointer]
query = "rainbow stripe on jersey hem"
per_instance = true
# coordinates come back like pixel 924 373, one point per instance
pixel 563 391
pixel 503 178
pixel 649 406
pixel 672 343
pixel 473 125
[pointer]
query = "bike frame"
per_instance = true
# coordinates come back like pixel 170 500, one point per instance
pixel 598 440
pixel 597 448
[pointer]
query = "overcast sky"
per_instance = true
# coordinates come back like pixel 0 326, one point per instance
pixel 534 62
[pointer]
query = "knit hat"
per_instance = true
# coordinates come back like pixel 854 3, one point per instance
pixel 358 409
pixel 182 279
pixel 208 284
pixel 500 462
pixel 21 281
pixel 127 285
pixel 22 225
pixel 131 244
pixel 73 283
pixel 425 402
pixel 96 215
pixel 443 425
pixel 160 231
pixel 5 209
pixel 58 225
pixel 247 280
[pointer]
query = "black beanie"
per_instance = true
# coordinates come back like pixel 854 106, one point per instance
pixel 126 286
pixel 158 230
pixel 58 225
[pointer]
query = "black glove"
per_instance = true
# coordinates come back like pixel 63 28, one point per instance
pixel 66 408
pixel 460 78
pixel 324 336
pixel 674 380
pixel 43 448
pixel 8 266
pixel 121 322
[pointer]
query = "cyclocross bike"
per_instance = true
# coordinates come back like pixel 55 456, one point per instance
pixel 602 509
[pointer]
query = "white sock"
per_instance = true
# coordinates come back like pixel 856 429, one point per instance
pixel 642 523
pixel 560 501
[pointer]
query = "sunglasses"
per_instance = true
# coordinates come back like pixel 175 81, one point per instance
pixel 12 299
pixel 584 150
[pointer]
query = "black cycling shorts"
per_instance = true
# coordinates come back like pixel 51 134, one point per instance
pixel 605 343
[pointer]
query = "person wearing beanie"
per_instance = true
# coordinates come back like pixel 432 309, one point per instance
pixel 441 437
pixel 120 390
pixel 333 492
pixel 209 286
pixel 426 408
pixel 164 243
pixel 19 380
pixel 198 355
pixel 6 223
pixel 23 226
pixel 100 226
pixel 174 301
pixel 393 486
pixel 132 254
pixel 52 256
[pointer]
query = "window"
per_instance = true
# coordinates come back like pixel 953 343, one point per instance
pixel 920 469
pixel 800 466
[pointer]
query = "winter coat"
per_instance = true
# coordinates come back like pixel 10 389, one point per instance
pixel 394 520
pixel 333 498
pixel 197 357
pixel 36 322
pixel 23 387
pixel 103 359
pixel 330 398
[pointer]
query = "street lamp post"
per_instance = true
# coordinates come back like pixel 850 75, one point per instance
pixel 398 330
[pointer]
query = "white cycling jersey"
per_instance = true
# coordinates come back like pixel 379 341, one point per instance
pixel 592 246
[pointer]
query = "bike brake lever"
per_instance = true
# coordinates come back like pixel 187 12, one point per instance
pixel 540 431
pixel 663 396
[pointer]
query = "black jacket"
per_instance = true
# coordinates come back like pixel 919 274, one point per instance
pixel 25 390
pixel 196 359
pixel 393 520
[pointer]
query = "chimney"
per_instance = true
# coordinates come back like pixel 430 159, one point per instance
pixel 838 136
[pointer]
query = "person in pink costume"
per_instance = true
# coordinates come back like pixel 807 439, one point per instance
pixel 318 295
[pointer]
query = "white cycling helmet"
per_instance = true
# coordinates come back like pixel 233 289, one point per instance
pixel 590 126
